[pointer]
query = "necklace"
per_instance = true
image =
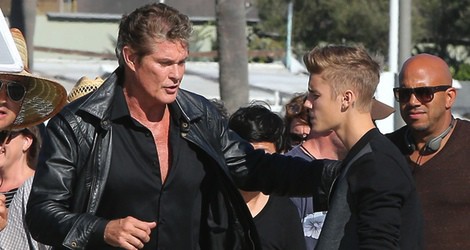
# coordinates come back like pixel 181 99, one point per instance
pixel 306 152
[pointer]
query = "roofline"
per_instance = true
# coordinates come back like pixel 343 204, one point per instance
pixel 103 17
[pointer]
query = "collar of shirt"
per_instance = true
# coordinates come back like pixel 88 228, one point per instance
pixel 121 110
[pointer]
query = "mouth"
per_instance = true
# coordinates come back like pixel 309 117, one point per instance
pixel 172 89
pixel 415 114
pixel 310 116
pixel 174 86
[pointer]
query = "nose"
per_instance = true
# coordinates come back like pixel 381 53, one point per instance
pixel 307 103
pixel 3 95
pixel 413 100
pixel 176 72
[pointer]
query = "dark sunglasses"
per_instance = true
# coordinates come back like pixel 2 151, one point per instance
pixel 423 94
pixel 296 139
pixel 6 136
pixel 15 91
pixel 294 108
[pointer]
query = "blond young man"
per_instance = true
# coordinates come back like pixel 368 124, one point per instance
pixel 373 204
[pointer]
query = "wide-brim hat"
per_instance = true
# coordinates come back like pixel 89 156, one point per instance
pixel 380 110
pixel 84 86
pixel 43 99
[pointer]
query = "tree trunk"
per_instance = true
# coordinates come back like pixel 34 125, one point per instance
pixel 233 56
pixel 23 17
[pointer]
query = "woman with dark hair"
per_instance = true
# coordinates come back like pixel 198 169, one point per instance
pixel 296 122
pixel 18 157
pixel 276 218
pixel 19 152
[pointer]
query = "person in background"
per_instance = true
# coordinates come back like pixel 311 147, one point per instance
pixel 373 203
pixel 26 100
pixel 316 146
pixel 436 146
pixel 84 86
pixel 275 217
pixel 18 160
pixel 3 212
pixel 16 164
pixel 320 146
pixel 296 122
pixel 141 163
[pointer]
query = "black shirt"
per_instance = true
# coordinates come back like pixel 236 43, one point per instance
pixel 134 186
pixel 279 225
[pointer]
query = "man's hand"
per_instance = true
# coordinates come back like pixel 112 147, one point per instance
pixel 128 233
pixel 3 212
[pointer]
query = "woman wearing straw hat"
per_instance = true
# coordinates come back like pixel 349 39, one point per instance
pixel 26 100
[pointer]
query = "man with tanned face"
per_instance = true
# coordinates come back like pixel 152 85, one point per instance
pixel 436 146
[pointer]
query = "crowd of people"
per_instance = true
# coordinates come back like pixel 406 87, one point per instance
pixel 134 161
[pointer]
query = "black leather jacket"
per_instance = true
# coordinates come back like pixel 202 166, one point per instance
pixel 70 178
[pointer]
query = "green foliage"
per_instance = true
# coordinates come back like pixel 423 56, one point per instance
pixel 270 34
pixel 463 72
pixel 445 32
pixel 203 40
pixel 439 27
pixel 265 44
pixel 273 16
pixel 319 21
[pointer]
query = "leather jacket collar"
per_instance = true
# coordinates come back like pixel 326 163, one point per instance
pixel 190 109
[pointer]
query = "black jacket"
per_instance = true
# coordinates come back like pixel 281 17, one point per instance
pixel 69 181
pixel 374 203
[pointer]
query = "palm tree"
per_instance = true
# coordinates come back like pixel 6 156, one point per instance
pixel 233 53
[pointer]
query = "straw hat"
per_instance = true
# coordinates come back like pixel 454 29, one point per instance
pixel 380 110
pixel 43 99
pixel 84 86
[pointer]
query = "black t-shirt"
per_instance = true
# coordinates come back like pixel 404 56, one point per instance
pixel 279 226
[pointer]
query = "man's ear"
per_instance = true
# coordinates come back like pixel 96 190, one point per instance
pixel 348 99
pixel 450 98
pixel 129 57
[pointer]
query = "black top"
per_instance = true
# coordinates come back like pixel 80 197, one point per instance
pixel 442 185
pixel 279 226
pixel 9 195
pixel 134 186
pixel 374 203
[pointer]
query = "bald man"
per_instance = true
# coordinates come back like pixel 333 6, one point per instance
pixel 437 148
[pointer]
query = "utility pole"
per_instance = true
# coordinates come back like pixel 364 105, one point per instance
pixel 393 36
pixel 404 45
pixel 405 31
pixel 290 8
